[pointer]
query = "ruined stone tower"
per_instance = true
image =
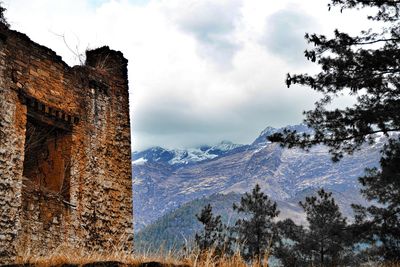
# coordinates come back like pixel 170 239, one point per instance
pixel 65 163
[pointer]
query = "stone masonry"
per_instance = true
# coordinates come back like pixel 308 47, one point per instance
pixel 65 160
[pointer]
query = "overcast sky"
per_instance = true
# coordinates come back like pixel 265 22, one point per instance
pixel 199 71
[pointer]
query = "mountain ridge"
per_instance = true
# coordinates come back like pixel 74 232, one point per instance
pixel 162 184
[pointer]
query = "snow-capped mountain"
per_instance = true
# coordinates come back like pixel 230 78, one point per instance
pixel 166 179
pixel 179 157
pixel 262 138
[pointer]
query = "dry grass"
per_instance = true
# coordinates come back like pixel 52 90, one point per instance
pixel 235 261
pixel 394 264
pixel 67 255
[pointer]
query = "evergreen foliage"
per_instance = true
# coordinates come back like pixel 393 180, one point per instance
pixel 327 238
pixel 3 19
pixel 177 229
pixel 292 249
pixel 256 232
pixel 367 66
pixel 380 225
pixel 326 241
pixel 213 235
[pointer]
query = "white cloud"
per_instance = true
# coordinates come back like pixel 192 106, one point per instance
pixel 211 23
pixel 198 72
pixel 284 35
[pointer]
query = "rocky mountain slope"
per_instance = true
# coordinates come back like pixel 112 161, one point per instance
pixel 165 180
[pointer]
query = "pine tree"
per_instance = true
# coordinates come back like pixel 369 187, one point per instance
pixel 382 186
pixel 212 238
pixel 292 248
pixel 327 237
pixel 367 66
pixel 256 230
pixel 326 242
pixel 3 19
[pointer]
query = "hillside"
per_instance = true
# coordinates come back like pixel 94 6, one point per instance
pixel 178 227
pixel 166 179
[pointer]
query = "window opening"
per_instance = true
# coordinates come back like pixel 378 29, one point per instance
pixel 47 156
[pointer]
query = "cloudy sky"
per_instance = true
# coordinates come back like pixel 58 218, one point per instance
pixel 200 71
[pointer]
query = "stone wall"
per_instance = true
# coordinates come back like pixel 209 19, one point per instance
pixel 65 165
